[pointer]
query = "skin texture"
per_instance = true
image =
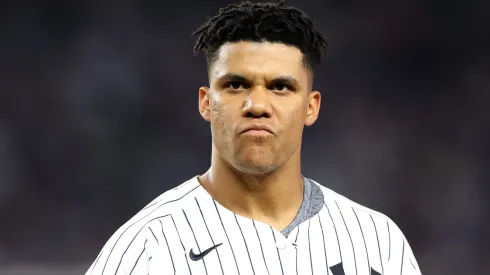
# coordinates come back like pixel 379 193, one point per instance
pixel 257 174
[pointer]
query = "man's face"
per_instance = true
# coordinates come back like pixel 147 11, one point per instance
pixel 258 102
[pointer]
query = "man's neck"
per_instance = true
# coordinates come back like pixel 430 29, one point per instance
pixel 273 199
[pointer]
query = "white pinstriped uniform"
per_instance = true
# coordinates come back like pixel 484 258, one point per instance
pixel 343 238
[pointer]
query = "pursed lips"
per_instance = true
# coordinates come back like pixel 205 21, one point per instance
pixel 258 129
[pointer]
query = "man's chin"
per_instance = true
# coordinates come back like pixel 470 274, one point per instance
pixel 256 167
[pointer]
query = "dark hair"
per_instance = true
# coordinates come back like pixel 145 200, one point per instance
pixel 272 22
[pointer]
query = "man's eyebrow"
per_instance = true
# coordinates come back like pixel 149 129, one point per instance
pixel 232 77
pixel 285 80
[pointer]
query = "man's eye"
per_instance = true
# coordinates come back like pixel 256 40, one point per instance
pixel 235 85
pixel 281 87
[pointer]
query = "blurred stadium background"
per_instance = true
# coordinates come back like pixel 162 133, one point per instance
pixel 98 115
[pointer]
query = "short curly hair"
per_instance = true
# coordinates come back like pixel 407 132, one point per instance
pixel 259 22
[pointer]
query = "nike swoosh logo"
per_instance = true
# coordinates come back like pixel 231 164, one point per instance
pixel 197 257
pixel 338 269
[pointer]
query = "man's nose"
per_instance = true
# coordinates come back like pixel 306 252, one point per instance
pixel 257 103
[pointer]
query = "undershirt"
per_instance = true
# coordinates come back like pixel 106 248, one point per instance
pixel 312 204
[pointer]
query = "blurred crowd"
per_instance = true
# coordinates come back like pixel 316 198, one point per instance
pixel 98 116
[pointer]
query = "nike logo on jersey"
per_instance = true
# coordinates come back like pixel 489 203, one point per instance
pixel 197 257
pixel 338 269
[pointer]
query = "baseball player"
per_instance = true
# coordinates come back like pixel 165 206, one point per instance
pixel 253 212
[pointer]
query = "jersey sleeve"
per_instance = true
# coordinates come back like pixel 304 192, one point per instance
pixel 164 259
pixel 123 254
pixel 401 258
pixel 133 251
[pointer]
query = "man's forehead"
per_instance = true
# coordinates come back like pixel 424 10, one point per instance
pixel 258 58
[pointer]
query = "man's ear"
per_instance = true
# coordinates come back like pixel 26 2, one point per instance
pixel 314 101
pixel 204 103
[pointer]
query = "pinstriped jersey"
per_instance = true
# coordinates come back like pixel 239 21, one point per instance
pixel 185 231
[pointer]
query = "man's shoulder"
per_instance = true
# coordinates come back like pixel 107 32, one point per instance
pixel 166 204
pixel 134 234
pixel 171 200
pixel 346 204
pixel 349 216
